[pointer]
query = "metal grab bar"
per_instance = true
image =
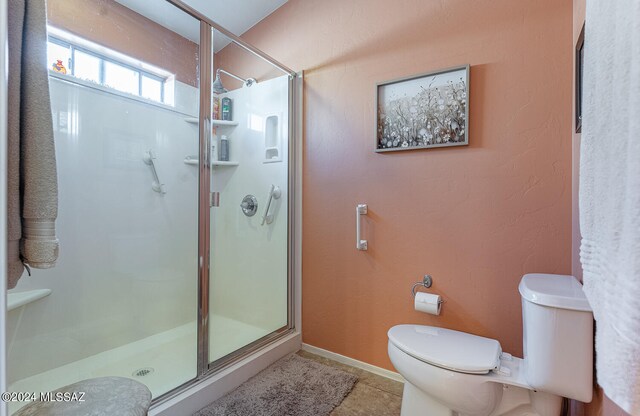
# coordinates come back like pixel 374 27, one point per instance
pixel 274 193
pixel 361 209
pixel 148 159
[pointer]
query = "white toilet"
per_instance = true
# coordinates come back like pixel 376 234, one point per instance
pixel 450 372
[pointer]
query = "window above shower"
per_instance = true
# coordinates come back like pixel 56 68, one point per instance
pixel 70 55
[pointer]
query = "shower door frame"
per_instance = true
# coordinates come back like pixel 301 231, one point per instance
pixel 3 199
pixel 206 369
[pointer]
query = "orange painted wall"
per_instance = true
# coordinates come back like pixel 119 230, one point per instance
pixel 477 218
pixel 115 26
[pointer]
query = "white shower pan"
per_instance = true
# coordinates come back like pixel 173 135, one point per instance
pixel 166 359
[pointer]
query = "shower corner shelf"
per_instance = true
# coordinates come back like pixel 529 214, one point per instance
pixel 224 123
pixel 15 300
pixel 193 160
pixel 195 120
pixel 224 163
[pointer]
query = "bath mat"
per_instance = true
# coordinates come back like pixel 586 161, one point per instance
pixel 292 386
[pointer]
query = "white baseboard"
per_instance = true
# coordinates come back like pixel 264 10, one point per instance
pixel 353 362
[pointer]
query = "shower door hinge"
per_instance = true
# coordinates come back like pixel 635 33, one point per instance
pixel 214 199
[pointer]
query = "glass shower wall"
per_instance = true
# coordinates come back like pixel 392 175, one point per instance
pixel 122 300
pixel 248 297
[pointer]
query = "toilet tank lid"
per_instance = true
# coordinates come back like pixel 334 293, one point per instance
pixel 554 290
pixel 446 348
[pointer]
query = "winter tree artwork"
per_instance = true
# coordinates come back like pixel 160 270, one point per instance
pixel 424 111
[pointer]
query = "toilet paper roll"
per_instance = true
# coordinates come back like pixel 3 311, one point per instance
pixel 428 303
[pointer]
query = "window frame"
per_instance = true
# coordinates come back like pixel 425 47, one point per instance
pixel 104 58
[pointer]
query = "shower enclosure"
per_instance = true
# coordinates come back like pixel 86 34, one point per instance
pixel 177 258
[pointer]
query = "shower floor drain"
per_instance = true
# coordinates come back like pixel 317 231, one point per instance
pixel 143 372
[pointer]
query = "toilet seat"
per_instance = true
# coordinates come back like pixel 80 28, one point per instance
pixel 453 350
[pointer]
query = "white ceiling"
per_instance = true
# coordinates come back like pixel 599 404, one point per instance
pixel 237 16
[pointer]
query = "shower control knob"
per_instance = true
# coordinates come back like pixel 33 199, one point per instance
pixel 249 205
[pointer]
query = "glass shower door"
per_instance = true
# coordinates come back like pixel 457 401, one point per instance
pixel 250 225
pixel 122 299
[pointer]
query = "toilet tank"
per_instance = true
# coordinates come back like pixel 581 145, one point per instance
pixel 558 335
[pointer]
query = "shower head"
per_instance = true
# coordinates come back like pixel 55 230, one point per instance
pixel 217 84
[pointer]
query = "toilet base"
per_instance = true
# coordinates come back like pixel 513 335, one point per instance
pixel 416 403
pixel 515 401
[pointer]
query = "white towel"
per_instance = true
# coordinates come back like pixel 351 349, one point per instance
pixel 32 187
pixel 610 193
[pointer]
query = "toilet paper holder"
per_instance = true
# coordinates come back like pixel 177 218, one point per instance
pixel 427 281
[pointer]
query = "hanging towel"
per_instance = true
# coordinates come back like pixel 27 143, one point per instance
pixel 32 178
pixel 610 193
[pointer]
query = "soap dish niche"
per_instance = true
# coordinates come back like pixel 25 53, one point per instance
pixel 272 140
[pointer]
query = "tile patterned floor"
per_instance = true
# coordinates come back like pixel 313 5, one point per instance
pixel 373 395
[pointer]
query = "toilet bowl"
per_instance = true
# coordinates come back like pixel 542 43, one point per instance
pixel 449 372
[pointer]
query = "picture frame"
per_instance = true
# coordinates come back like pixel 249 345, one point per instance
pixel 424 111
pixel 579 75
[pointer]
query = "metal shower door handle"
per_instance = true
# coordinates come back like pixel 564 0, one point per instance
pixel 361 209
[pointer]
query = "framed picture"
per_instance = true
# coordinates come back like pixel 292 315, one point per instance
pixel 578 78
pixel 423 111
